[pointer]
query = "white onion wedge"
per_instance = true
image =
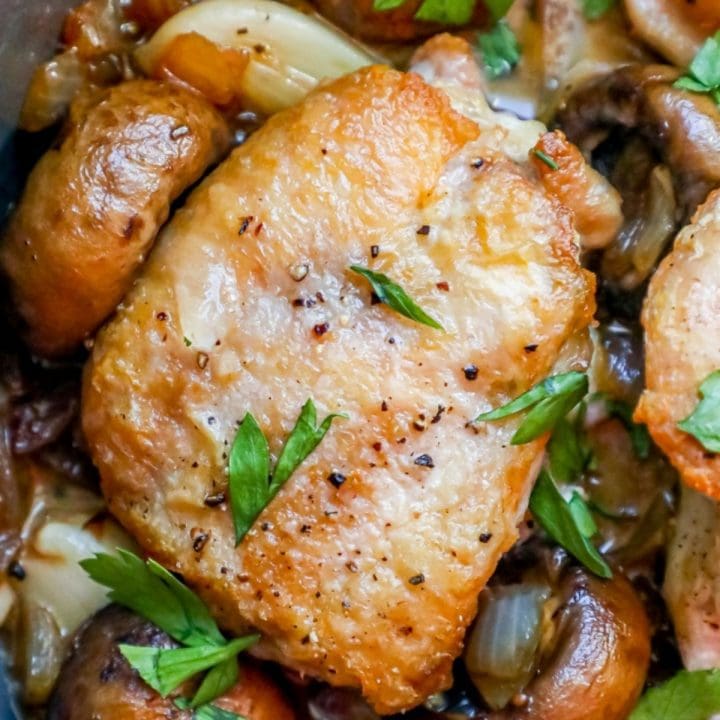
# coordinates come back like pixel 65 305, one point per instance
pixel 298 50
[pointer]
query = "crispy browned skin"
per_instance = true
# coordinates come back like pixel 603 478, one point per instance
pixel 92 208
pixel 681 318
pixel 594 202
pixel 371 584
pixel 360 19
pixel 96 682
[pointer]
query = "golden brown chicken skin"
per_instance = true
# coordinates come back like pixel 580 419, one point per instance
pixel 682 327
pixel 92 208
pixel 247 305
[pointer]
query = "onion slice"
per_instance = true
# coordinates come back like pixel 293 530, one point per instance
pixel 289 52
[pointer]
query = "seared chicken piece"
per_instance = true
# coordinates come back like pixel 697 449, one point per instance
pixel 692 581
pixel 682 344
pixel 92 208
pixel 365 568
pixel 447 61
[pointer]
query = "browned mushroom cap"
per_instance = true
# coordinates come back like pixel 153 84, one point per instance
pixel 684 127
pixel 360 19
pixel 92 207
pixel 594 666
pixel 96 682
pixel 675 28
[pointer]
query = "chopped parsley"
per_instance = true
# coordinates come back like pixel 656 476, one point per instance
pixel 447 12
pixel 500 50
pixel 548 402
pixel 595 9
pixel 704 421
pixel 703 75
pixel 569 523
pixel 689 695
pixel 149 590
pixel 544 157
pixel 250 482
pixel 392 295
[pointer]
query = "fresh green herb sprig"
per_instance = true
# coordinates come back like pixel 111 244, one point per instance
pixel 500 50
pixel 704 421
pixel 544 157
pixel 569 523
pixel 686 696
pixel 149 590
pixel 703 75
pixel 548 402
pixel 447 12
pixel 395 297
pixel 250 482
pixel 595 9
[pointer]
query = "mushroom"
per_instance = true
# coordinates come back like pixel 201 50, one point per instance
pixel 593 653
pixel 675 29
pixel 96 682
pixel 660 147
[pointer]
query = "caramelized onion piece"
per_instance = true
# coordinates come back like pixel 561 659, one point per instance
pixel 288 52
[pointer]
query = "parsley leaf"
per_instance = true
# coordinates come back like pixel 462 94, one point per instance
pixel 544 157
pixel 568 453
pixel 703 75
pixel 498 8
pixel 704 421
pixel 395 297
pixel 595 9
pixel 217 682
pixel 249 475
pixel 251 485
pixel 164 670
pixel 448 12
pixel 500 50
pixel 208 711
pixel 213 712
pixel 303 439
pixel 686 696
pixel 148 589
pixel 570 524
pixel 550 401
